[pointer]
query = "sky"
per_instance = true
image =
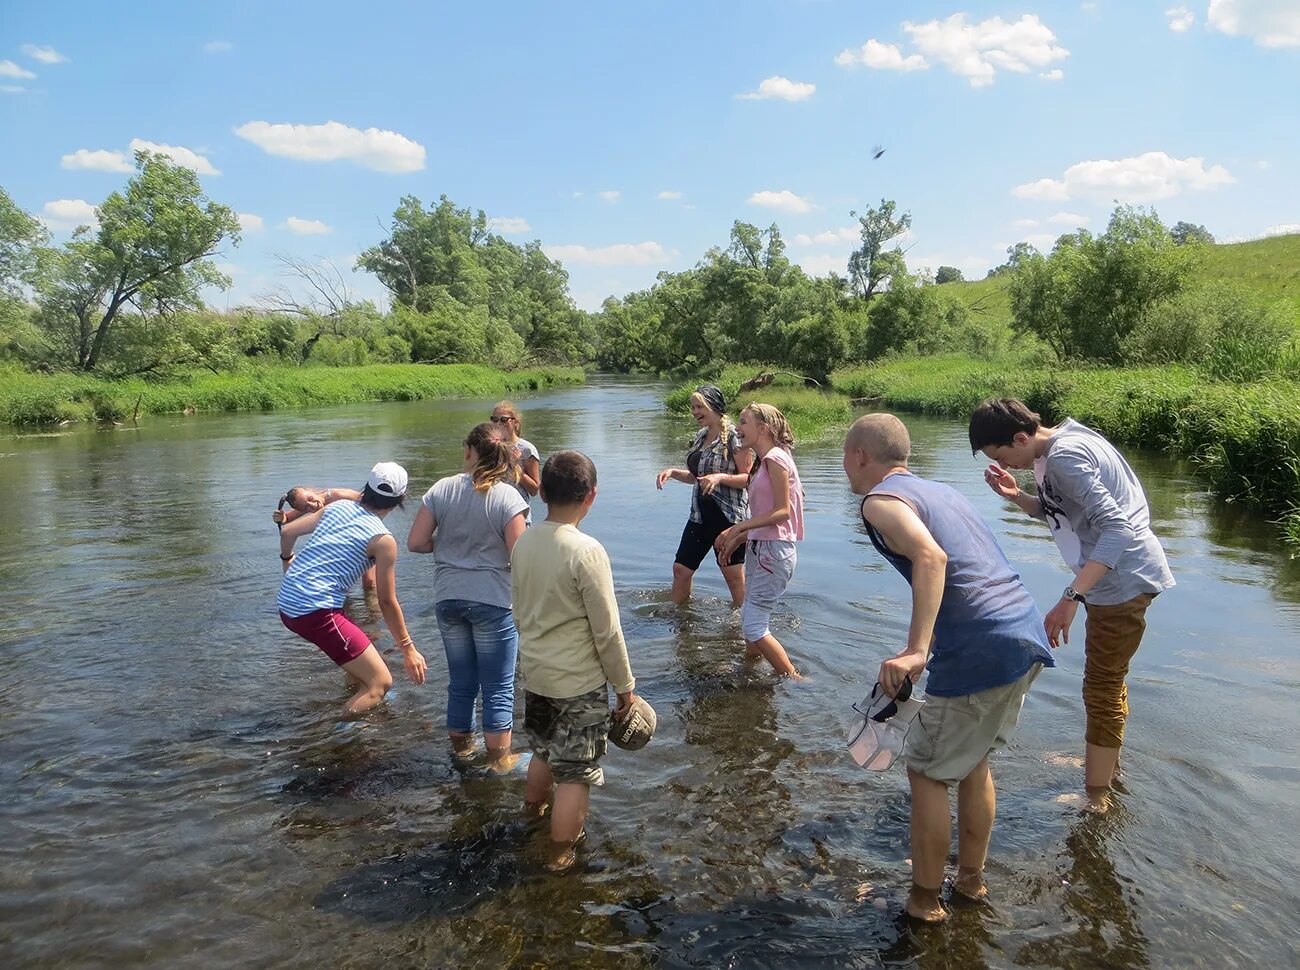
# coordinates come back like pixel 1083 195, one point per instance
pixel 628 136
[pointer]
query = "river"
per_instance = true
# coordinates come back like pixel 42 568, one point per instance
pixel 178 789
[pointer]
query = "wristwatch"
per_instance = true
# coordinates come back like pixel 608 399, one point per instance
pixel 1073 594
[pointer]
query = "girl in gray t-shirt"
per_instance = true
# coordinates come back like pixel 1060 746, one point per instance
pixel 507 417
pixel 470 523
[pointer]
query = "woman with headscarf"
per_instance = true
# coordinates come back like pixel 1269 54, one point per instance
pixel 718 466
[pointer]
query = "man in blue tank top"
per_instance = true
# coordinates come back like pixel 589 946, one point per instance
pixel 976 628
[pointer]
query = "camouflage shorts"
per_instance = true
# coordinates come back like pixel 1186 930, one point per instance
pixel 570 734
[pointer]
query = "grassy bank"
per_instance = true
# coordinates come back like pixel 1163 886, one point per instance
pixel 813 414
pixel 1244 439
pixel 28 399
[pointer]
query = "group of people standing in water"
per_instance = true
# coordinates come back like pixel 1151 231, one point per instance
pixel 542 598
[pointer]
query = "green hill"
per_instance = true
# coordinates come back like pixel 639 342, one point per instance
pixel 1269 267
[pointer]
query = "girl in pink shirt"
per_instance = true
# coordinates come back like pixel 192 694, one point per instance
pixel 774 525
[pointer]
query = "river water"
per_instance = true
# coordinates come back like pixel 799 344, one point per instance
pixel 178 788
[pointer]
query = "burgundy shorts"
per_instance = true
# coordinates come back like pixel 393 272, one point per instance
pixel 336 635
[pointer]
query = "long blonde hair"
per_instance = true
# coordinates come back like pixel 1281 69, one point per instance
pixel 513 414
pixel 727 426
pixel 776 423
pixel 496 459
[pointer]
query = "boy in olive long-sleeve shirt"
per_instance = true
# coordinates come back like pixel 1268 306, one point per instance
pixel 571 650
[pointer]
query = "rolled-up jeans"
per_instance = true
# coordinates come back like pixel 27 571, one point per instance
pixel 482 645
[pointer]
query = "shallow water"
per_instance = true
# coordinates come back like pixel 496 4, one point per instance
pixel 178 787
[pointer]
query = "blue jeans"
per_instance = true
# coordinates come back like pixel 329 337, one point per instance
pixel 481 645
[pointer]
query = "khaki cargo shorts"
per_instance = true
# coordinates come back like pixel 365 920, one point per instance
pixel 952 735
pixel 570 734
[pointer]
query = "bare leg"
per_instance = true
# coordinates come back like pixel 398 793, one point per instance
pixel 977 804
pixel 500 757
pixel 931 837
pixel 682 579
pixel 370 671
pixel 769 648
pixel 1100 765
pixel 567 820
pixel 462 744
pixel 735 577
pixel 537 790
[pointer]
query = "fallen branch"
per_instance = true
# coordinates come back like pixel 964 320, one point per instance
pixel 764 378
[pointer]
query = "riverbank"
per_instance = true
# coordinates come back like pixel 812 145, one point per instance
pixel 35 399
pixel 1243 439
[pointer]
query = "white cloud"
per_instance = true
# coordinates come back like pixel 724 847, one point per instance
pixel 1269 23
pixel 783 201
pixel 669 195
pixel 249 222
pixel 577 195
pixel 1088 6
pixel 230 269
pixel 46 55
pixel 1180 19
pixel 1263 165
pixel 179 154
pixel 978 51
pixel 831 237
pixel 382 151
pixel 781 88
pixel 12 89
pixel 881 57
pixel 509 225
pixel 68 214
pixel 84 159
pixel 1071 219
pixel 610 195
pixel 819 264
pixel 218 47
pixel 1283 229
pixel 620 254
pixel 10 69
pixel 306 227
pixel 1141 178
pixel 1025 223
pixel 1055 74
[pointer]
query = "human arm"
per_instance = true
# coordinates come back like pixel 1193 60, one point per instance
pixel 294 530
pixel 727 542
pixel 676 475
pixel 383 549
pixel 420 538
pixel 905 534
pixel 1004 483
pixel 340 495
pixel 744 460
pixel 595 580
pixel 530 474
pixel 514 529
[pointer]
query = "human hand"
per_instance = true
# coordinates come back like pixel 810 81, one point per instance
pixel 414 663
pixel 907 665
pixel 663 476
pixel 624 707
pixel 278 516
pixel 1058 620
pixel 1002 482
pixel 725 545
pixel 708 483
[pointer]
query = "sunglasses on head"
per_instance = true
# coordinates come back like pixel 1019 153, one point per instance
pixel 499 419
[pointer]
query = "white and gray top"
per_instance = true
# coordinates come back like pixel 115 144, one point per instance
pixel 1098 511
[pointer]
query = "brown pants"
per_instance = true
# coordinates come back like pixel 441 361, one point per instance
pixel 1112 635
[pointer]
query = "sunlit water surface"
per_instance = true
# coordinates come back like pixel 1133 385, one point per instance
pixel 178 787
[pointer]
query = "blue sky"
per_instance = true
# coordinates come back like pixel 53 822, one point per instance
pixel 619 134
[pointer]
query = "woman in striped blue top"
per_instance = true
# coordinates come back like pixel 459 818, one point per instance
pixel 346 538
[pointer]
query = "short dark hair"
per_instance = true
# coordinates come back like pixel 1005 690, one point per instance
pixel 568 477
pixel 378 500
pixel 997 420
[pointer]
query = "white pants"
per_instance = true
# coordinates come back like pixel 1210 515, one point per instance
pixel 769 567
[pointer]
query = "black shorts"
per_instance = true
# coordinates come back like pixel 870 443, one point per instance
pixel 698 537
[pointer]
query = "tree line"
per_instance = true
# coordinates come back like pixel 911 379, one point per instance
pixel 124 297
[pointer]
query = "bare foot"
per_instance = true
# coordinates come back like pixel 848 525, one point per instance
pixel 501 760
pixel 535 810
pixel 924 905
pixel 1098 802
pixel 563 858
pixel 463 746
pixel 970 885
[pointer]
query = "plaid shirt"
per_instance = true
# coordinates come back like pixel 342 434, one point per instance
pixel 714 459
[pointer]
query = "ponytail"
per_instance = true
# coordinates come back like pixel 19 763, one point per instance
pixel 496 459
pixel 775 422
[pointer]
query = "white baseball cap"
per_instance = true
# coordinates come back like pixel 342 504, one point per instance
pixel 388 478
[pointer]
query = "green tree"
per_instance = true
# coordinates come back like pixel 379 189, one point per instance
pixel 915 319
pixel 148 256
pixel 22 239
pixel 872 265
pixel 1091 292
pixel 1184 233
pixel 949 274
pixel 1016 257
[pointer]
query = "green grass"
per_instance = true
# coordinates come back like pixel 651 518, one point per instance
pixel 1243 438
pixel 1268 268
pixel 27 398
